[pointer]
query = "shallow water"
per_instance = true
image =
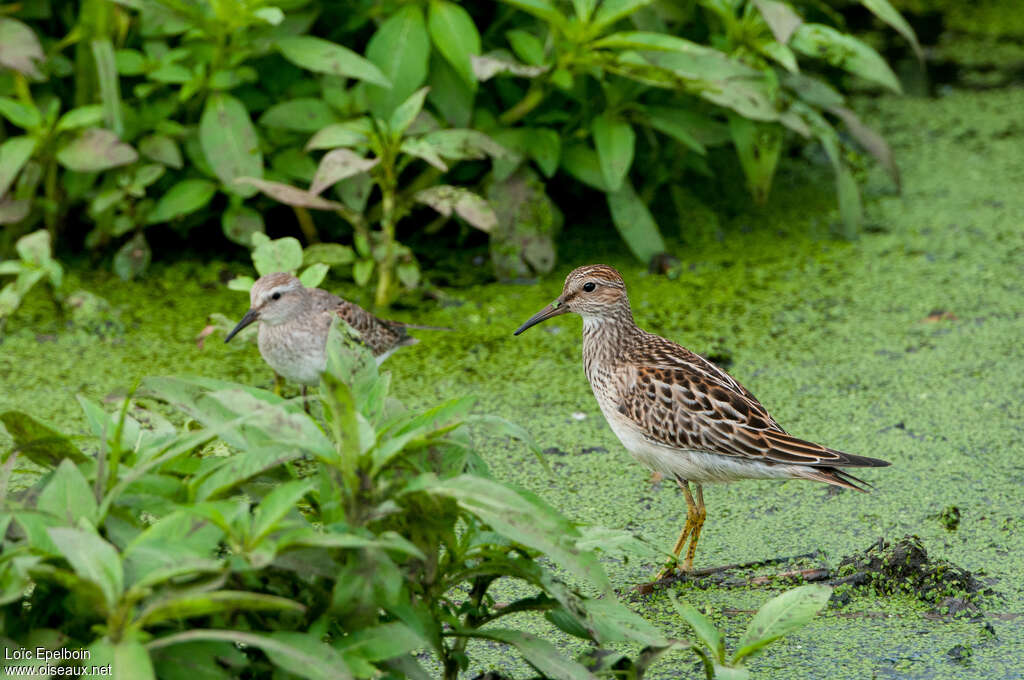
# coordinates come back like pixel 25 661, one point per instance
pixel 905 345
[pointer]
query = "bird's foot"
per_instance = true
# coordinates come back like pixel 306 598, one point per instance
pixel 670 573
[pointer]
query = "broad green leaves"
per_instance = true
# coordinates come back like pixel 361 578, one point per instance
pixel 780 616
pixel 845 52
pixel 184 198
pixel 230 143
pixel 635 223
pixel 614 140
pixel 19 48
pixel 14 153
pixel 455 36
pixel 96 149
pixel 323 56
pixel 401 49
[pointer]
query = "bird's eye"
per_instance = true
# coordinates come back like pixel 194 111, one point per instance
pixel 275 296
pixel 589 286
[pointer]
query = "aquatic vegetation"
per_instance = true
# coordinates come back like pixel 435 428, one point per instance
pixel 35 264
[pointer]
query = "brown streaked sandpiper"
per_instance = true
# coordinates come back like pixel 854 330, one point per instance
pixel 294 322
pixel 678 413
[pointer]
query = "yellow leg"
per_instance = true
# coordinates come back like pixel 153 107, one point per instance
pixel 694 519
pixel 278 384
pixel 698 522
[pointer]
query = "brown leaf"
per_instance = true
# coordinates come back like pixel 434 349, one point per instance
pixel 337 165
pixel 873 142
pixel 285 193
pixel 780 17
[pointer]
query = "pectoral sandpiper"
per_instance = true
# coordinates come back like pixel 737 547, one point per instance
pixel 678 413
pixel 294 322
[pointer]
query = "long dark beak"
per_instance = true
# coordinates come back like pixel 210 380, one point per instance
pixel 554 309
pixel 249 317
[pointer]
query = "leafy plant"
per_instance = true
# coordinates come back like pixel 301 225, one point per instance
pixel 177 114
pixel 778 617
pixel 348 544
pixel 635 87
pixel 406 136
pixel 36 264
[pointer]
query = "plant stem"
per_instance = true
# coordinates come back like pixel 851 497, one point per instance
pixel 389 194
pixel 528 103
pixel 51 210
pixel 306 224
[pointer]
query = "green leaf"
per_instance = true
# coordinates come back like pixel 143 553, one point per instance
pixel 133 258
pixel 275 505
pixel 190 605
pixel 68 496
pixel 19 48
pixel 406 112
pixel 642 40
pixel 845 52
pixel 125 660
pixel 303 115
pixel 611 11
pixel 93 560
pixel 279 255
pixel 240 223
pixel 522 517
pixel 676 124
pixel 162 149
pixel 457 144
pixel 887 13
pixel 39 442
pixel 584 9
pixel 83 116
pixel 229 142
pixel 95 149
pixel 23 116
pixel 759 146
pixel 109 84
pixel 313 276
pixel 527 46
pixel 331 254
pixel 14 154
pixel 542 9
pixel 323 56
pixel 449 93
pixel 615 141
pixel 780 17
pixel 635 223
pixel 455 36
pixel 703 627
pixel 350 133
pixel 199 660
pixel 383 642
pixel 780 616
pixel 361 272
pixel 35 247
pixel 581 162
pixel 538 652
pixel 401 50
pixel 471 207
pixel 299 653
pixel 184 198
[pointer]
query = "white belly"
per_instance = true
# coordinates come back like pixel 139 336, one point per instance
pixel 687 464
pixel 299 357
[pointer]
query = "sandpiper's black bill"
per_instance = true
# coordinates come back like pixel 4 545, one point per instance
pixel 249 317
pixel 551 310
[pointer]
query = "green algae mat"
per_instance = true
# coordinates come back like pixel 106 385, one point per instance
pixel 907 345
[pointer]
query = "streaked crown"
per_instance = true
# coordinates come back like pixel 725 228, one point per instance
pixel 595 290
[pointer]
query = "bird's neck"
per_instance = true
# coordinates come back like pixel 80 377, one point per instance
pixel 605 335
